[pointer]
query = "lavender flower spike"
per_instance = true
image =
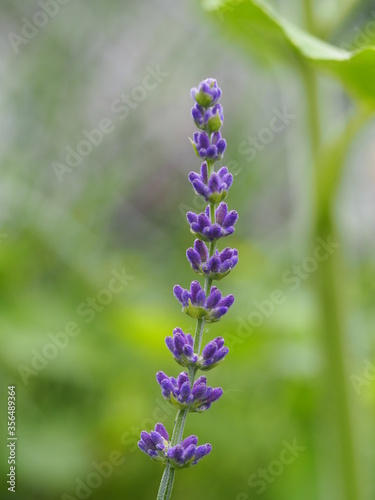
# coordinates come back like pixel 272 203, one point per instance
pixel 203 302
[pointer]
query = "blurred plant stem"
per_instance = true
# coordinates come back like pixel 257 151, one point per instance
pixel 328 164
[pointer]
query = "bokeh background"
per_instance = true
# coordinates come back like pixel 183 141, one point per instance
pixel 122 210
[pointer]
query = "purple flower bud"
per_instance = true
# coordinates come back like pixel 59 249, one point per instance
pixel 195 287
pixel 197 112
pixel 185 298
pixel 217 267
pixel 189 441
pixel 197 305
pixel 191 217
pixel 189 453
pixel 199 391
pixel 180 394
pixel 200 298
pixel 170 344
pixel 166 388
pixel 209 350
pixel 201 249
pixel 230 219
pixel 201 380
pixel 214 118
pixel 176 453
pixel 177 290
pixel 204 173
pixel 201 452
pixel 179 339
pixel 215 395
pixel 221 213
pixel 160 376
pixel 214 182
pixel 185 391
pixel 201 225
pixel 156 437
pixel 142 446
pixel 227 301
pixel 181 346
pixel 201 189
pixel 219 342
pixel 207 93
pixel 162 431
pixel 188 351
pixel 217 313
pixel 182 379
pixel 213 189
pixel 146 438
pixel 213 298
pixel 220 354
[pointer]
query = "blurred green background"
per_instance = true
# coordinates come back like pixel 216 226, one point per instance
pixel 121 210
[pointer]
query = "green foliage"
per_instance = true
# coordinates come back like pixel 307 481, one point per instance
pixel 256 26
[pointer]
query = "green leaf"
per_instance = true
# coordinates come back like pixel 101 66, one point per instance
pixel 257 27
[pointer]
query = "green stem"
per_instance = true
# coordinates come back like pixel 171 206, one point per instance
pixel 166 483
pixel 170 483
pixel 167 480
pixel 179 427
pixel 310 16
pixel 328 292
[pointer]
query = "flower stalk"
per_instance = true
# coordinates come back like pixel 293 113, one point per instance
pixel 206 305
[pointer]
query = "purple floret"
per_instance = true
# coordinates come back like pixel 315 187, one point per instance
pixel 207 94
pixel 213 189
pixel 156 445
pixel 201 226
pixel 197 398
pixel 209 120
pixel 216 267
pixel 197 305
pixel 181 346
pixel 210 148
